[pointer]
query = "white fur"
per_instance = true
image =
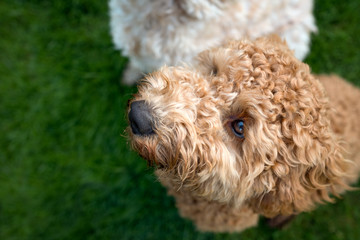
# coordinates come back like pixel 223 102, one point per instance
pixel 157 32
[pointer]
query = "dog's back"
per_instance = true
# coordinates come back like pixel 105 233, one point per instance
pixel 345 99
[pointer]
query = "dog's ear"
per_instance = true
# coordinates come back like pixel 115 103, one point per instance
pixel 305 184
pixel 309 164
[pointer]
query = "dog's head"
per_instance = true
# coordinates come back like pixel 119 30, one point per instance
pixel 249 124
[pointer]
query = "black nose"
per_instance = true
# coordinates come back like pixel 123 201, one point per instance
pixel 140 118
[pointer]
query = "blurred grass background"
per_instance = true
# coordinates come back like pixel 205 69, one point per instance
pixel 66 171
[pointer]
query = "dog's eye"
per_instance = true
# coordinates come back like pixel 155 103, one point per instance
pixel 238 128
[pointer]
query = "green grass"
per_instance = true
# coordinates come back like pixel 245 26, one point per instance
pixel 67 171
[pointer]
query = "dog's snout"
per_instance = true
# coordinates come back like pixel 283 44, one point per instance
pixel 140 118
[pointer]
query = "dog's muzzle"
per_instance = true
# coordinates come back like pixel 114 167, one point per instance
pixel 140 118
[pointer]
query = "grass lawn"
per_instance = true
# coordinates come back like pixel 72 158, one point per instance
pixel 67 171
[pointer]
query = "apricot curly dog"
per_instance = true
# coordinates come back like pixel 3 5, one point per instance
pixel 248 131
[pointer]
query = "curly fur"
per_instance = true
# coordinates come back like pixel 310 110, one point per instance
pixel 301 138
pixel 153 33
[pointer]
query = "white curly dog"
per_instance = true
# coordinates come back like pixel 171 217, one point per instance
pixel 154 33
